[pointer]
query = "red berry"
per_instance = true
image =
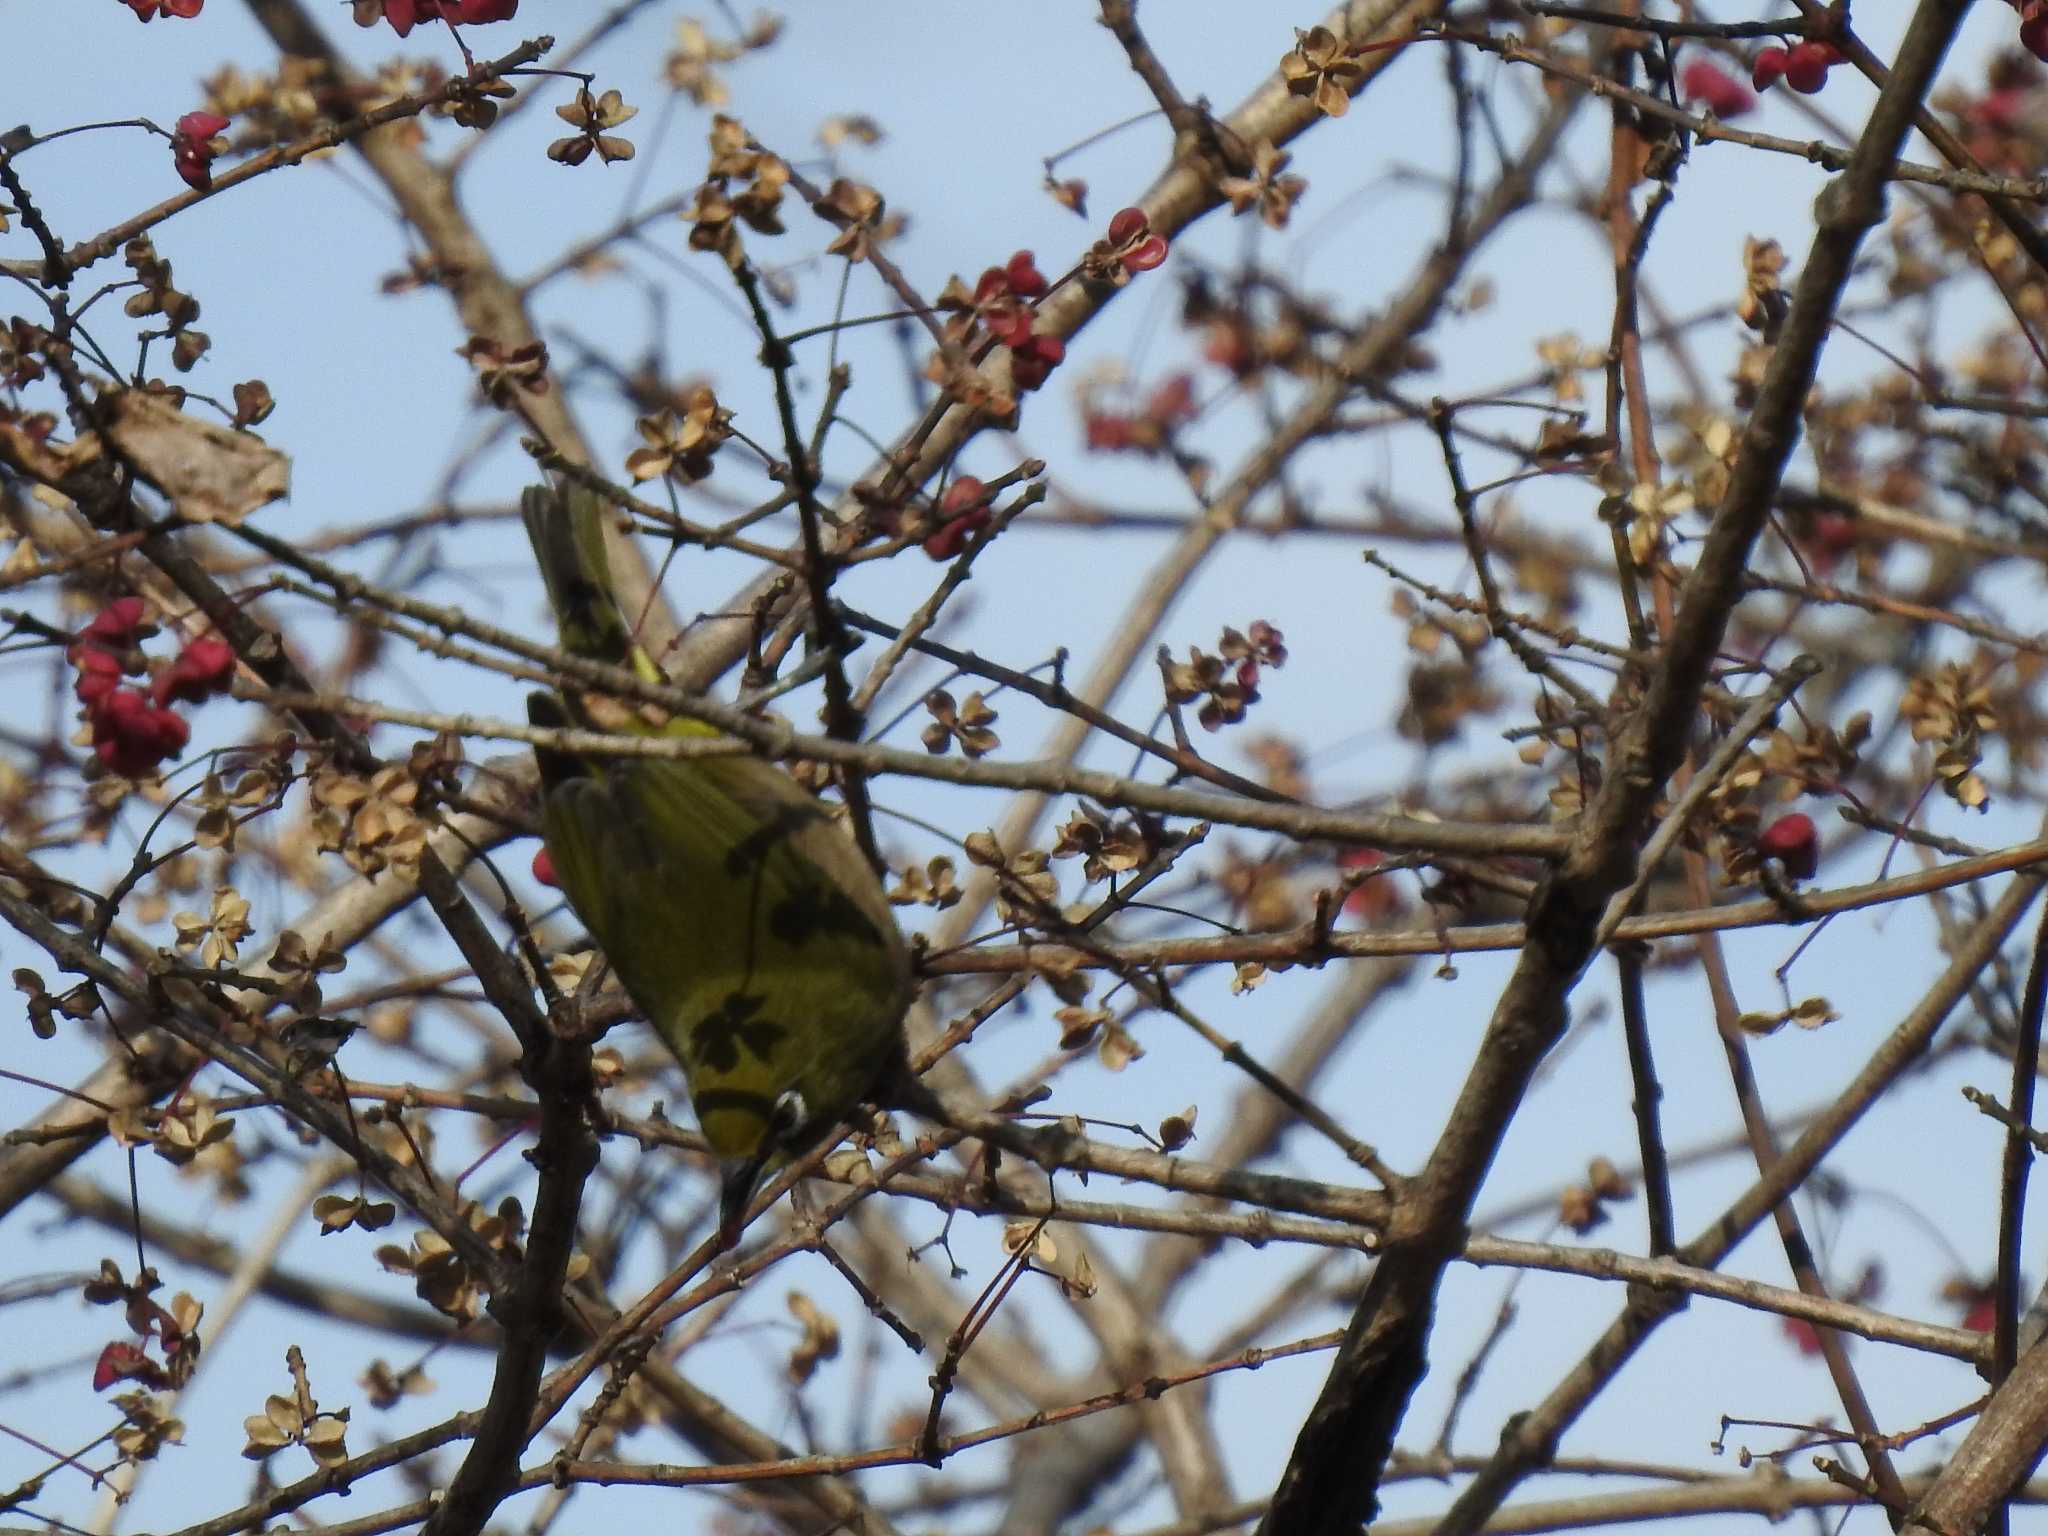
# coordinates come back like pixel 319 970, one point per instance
pixel 1794 842
pixel 168 732
pixel 120 1360
pixel 402 14
pixel 193 148
pixel 1804 1336
pixel 965 492
pixel 121 704
pixel 544 868
pixel 1023 276
pixel 1031 361
pixel 211 657
pixel 202 669
pixel 2034 29
pixel 1010 323
pixel 99 674
pixel 992 286
pixel 119 623
pixel 1146 254
pixel 131 735
pixel 964 508
pixel 1131 247
pixel 949 540
pixel 131 760
pixel 1127 224
pixel 198 127
pixel 1807 66
pixel 1769 67
pixel 1703 82
pixel 1370 899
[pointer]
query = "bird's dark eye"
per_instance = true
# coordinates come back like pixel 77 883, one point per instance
pixel 788 1115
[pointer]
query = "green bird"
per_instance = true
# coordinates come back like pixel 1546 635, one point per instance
pixel 739 917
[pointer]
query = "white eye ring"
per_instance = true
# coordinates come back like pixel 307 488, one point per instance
pixel 788 1115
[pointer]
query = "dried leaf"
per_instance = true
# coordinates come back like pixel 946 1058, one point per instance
pixel 210 473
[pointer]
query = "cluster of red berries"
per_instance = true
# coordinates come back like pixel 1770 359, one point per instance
pixel 962 511
pixel 133 731
pixel 1803 66
pixel 1003 301
pixel 194 143
pixel 404 15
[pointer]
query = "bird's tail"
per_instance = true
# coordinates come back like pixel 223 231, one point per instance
pixel 566 527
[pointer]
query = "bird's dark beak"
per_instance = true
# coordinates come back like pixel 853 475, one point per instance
pixel 738 1178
